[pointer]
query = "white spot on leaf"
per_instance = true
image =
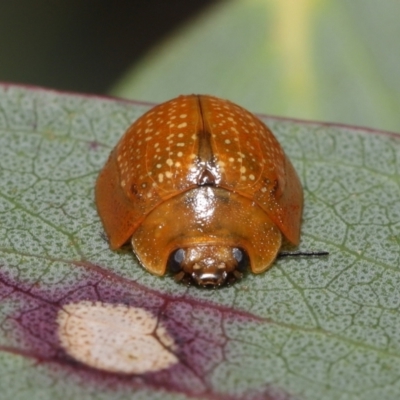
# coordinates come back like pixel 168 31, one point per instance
pixel 115 337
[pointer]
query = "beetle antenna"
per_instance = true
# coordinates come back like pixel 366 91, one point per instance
pixel 303 253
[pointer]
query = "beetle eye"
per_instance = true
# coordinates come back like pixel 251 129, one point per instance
pixel 237 253
pixel 242 258
pixel 179 255
pixel 174 261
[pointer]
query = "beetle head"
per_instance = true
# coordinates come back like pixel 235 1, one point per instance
pixel 208 265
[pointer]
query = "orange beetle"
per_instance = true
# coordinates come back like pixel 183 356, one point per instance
pixel 202 187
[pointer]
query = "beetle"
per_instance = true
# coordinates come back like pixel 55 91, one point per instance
pixel 200 187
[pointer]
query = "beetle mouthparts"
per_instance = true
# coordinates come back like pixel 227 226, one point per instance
pixel 209 275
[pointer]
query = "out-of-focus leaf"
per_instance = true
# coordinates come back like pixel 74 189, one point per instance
pixel 328 60
pixel 321 328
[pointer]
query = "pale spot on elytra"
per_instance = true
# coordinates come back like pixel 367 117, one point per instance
pixel 115 337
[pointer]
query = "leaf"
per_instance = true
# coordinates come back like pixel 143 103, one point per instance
pixel 330 60
pixel 311 328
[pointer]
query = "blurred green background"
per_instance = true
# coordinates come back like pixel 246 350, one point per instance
pixel 327 60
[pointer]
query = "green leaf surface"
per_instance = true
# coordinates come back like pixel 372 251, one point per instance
pixel 310 328
pixel 327 60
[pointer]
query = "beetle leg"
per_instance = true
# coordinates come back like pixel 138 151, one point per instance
pixel 238 275
pixel 179 276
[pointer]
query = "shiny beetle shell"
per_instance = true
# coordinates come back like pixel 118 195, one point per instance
pixel 201 185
